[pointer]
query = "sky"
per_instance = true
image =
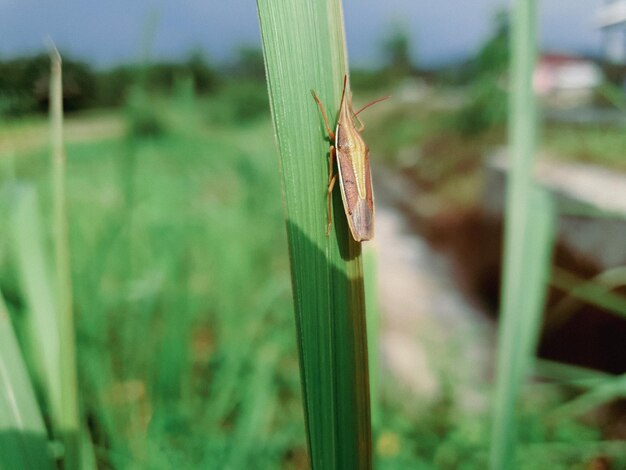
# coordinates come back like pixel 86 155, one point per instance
pixel 108 32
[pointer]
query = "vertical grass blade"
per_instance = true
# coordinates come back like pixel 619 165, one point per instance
pixel 69 423
pixel 23 438
pixel 36 286
pixel 520 322
pixel 527 245
pixel 304 49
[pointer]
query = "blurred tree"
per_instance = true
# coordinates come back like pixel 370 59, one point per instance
pixel 204 77
pixel 249 64
pixel 487 103
pixel 113 85
pixel 397 50
pixel 493 57
pixel 244 96
pixel 161 76
pixel 24 85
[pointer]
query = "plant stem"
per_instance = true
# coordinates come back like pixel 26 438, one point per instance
pixel 526 249
pixel 69 419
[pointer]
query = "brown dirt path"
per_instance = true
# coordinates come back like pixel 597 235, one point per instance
pixel 21 137
pixel 430 332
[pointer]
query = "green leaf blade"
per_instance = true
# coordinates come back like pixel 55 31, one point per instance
pixel 304 49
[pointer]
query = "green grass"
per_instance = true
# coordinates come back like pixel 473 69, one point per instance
pixel 528 240
pixel 203 291
pixel 40 319
pixel 186 339
pixel 592 144
pixel 23 436
pixel 182 296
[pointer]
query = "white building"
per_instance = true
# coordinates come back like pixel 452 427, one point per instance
pixel 611 19
pixel 566 80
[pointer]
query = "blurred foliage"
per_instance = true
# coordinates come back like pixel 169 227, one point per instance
pixel 598 144
pixel 115 85
pixel 162 76
pixel 487 103
pixel 444 436
pixel 397 50
pixel 240 101
pixel 493 57
pixel 185 325
pixel 142 116
pixel 242 97
pixel 614 74
pixel 24 82
pixel 249 64
pixel 185 335
pixel 186 340
pixel 24 85
pixel 372 80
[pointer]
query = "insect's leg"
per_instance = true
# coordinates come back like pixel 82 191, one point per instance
pixel 332 179
pixel 361 125
pixel 331 134
pixel 333 155
pixel 331 185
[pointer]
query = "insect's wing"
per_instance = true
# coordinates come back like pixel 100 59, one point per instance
pixel 354 173
pixel 359 210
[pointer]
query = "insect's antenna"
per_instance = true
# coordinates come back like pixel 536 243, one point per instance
pixel 345 82
pixel 372 103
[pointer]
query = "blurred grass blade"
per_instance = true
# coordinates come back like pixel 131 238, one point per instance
pixel 23 437
pixel 595 291
pixel 610 389
pixel 526 245
pixel 87 451
pixel 7 167
pixel 69 423
pixel 613 94
pixel 567 374
pixel 35 280
pixel 520 322
pixel 256 412
pixel 583 451
pixel 539 241
pixel 304 49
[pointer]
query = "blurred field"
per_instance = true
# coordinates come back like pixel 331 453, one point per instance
pixel 186 341
pixel 183 303
pixel 186 337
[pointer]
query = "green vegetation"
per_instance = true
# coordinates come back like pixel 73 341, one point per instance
pixel 68 424
pixel 24 85
pixel 397 50
pixel 164 229
pixel 601 145
pixel 186 340
pixel 24 82
pixel 527 247
pixel 487 103
pixel 186 344
pixel 23 439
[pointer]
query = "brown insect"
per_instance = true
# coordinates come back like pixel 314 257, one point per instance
pixel 353 165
